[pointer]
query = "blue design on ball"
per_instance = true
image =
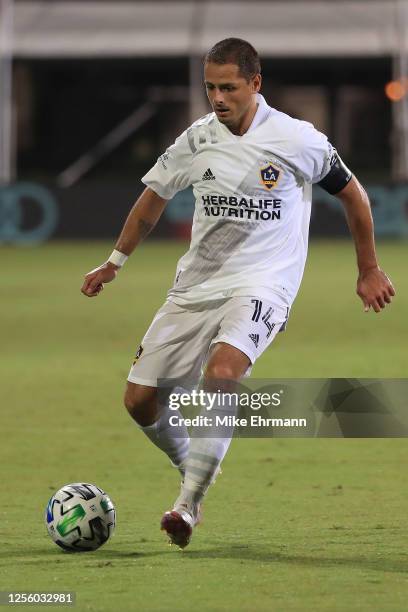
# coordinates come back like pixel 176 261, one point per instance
pixel 50 514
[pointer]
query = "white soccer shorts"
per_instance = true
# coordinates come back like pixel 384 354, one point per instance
pixel 177 343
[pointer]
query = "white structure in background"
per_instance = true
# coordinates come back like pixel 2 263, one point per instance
pixel 288 28
pixel 7 149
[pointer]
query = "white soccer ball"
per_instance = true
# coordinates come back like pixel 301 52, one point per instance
pixel 80 517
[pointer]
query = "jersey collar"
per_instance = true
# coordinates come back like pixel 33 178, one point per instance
pixel 263 113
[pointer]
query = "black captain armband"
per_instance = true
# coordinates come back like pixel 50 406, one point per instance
pixel 337 177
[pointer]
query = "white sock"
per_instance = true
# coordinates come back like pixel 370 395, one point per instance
pixel 204 459
pixel 174 440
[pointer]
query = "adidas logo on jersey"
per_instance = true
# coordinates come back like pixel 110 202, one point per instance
pixel 208 175
pixel 254 338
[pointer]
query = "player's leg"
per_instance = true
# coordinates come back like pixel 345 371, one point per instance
pixel 226 365
pixel 172 348
pixel 248 326
pixel 143 405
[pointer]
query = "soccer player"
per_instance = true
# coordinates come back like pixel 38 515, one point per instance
pixel 252 169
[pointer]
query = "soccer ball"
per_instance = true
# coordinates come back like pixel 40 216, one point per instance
pixel 80 517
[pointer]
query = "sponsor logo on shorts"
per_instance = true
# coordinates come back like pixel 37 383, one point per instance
pixel 255 339
pixel 138 354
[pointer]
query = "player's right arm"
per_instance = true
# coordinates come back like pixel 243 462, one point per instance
pixel 142 218
pixel 170 174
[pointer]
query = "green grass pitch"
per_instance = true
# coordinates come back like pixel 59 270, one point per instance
pixel 292 524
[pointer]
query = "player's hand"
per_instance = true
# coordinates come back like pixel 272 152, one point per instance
pixel 95 279
pixel 375 289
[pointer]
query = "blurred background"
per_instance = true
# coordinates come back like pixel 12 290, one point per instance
pixel 92 91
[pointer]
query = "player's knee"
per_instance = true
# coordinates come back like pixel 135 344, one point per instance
pixel 140 402
pixel 220 371
pixel 130 402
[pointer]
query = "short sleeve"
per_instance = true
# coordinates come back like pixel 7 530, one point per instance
pixel 171 172
pixel 314 153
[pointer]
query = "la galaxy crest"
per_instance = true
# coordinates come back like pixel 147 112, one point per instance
pixel 270 176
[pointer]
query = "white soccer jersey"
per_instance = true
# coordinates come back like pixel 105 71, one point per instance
pixel 252 204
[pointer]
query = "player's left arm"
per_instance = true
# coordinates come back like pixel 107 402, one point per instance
pixel 373 286
pixel 320 163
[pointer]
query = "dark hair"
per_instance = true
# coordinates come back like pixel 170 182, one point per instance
pixel 236 51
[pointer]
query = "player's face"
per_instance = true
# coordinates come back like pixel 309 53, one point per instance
pixel 230 95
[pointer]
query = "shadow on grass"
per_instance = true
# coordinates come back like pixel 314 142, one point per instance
pixel 234 552
pixel 263 555
pixel 45 554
